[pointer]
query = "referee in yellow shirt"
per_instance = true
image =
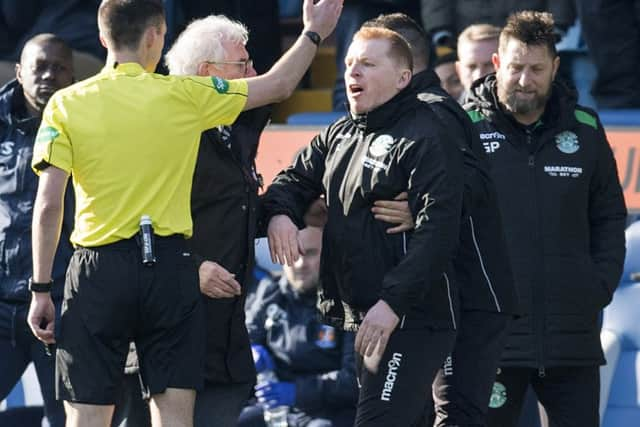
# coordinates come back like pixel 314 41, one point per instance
pixel 129 139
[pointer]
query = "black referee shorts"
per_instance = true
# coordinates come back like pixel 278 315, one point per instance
pixel 110 299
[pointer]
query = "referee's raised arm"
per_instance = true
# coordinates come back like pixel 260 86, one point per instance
pixel 280 81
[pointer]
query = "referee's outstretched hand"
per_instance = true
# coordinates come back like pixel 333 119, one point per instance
pixel 42 317
pixel 375 330
pixel 321 16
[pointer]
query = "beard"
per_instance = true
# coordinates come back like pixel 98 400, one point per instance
pixel 518 105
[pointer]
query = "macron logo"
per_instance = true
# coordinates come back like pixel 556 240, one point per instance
pixel 392 374
pixel 447 368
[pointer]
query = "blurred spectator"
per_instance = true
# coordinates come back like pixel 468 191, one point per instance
pixel 476 44
pixel 354 14
pixel 314 362
pixel 445 19
pixel 612 31
pixel 445 68
pixel 45 66
pixel 74 21
pixel 576 64
pixel 261 18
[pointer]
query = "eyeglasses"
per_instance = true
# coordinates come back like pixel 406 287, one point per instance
pixel 246 63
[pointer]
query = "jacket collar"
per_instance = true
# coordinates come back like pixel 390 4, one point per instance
pixel 385 114
pixel 128 68
pixel 426 80
pixel 558 111
pixel 12 105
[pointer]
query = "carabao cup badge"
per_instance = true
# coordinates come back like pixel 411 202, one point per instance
pixel 326 337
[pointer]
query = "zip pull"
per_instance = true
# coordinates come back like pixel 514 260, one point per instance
pixel 541 372
pixel 532 161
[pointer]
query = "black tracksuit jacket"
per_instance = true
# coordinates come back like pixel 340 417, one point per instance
pixel 224 207
pixel 355 161
pixel 18 187
pixel 564 217
pixel 481 262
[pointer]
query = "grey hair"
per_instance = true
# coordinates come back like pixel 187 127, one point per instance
pixel 202 41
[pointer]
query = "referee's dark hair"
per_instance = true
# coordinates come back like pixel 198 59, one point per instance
pixel 123 22
pixel 412 32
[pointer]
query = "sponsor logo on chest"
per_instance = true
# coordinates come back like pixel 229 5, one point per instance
pixel 491 141
pixel 563 171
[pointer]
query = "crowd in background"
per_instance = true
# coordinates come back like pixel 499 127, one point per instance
pixel 599 58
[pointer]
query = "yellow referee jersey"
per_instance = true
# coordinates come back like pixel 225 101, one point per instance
pixel 129 139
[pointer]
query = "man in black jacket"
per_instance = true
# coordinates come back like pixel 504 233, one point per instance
pixel 225 209
pixel 313 362
pixel 488 300
pixel 393 289
pixel 45 66
pixel 564 218
pixel 224 206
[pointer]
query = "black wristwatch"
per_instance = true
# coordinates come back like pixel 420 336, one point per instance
pixel 314 37
pixel 40 286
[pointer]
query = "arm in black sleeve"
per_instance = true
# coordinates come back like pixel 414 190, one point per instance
pixel 435 187
pixel 334 389
pixel 293 189
pixel 477 180
pixel 607 216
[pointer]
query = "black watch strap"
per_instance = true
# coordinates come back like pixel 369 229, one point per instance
pixel 314 37
pixel 40 286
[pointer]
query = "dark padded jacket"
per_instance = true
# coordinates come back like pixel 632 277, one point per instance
pixel 564 217
pixel 316 357
pixel 375 156
pixel 18 187
pixel 481 263
pixel 224 207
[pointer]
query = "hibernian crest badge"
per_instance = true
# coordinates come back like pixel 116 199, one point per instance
pixel 381 145
pixel 567 142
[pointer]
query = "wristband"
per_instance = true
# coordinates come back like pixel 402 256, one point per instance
pixel 314 37
pixel 40 286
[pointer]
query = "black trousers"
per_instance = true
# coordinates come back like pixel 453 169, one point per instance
pixel 570 395
pixel 397 393
pixel 463 385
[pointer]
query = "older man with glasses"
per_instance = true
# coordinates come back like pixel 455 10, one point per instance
pixel 224 207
